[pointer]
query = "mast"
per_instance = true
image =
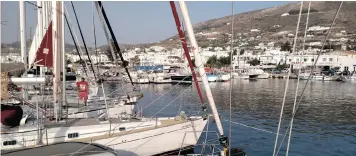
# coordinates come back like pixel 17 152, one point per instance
pixel 200 65
pixel 186 52
pixel 57 30
pixel 64 60
pixel 23 44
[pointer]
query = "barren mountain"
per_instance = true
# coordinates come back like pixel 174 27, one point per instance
pixel 270 21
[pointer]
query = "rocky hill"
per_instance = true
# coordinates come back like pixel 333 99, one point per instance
pixel 272 26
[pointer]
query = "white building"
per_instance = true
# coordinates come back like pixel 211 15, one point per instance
pixel 285 14
pixel 344 60
pixel 11 57
pixel 317 28
pixel 94 58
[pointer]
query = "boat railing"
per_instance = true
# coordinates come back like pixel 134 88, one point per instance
pixel 212 143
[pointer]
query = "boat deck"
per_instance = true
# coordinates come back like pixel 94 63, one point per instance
pixel 83 122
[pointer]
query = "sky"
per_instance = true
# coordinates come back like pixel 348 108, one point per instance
pixel 132 22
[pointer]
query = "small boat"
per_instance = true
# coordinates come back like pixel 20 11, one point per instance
pixel 240 74
pixel 254 73
pixel 212 77
pixel 353 78
pixel 223 77
pixel 161 80
pixel 182 79
pixel 264 75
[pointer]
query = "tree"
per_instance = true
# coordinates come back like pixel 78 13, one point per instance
pixel 282 66
pixel 286 47
pixel 242 51
pixel 223 61
pixel 69 61
pixel 136 60
pixel 235 52
pixel 212 60
pixel 254 62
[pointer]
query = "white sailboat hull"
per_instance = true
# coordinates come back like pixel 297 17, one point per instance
pixel 158 140
pixel 139 138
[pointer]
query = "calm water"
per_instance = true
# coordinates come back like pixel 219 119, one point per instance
pixel 325 123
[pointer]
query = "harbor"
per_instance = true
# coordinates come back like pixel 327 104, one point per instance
pixel 251 83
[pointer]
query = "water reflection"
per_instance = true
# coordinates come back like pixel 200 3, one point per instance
pixel 325 123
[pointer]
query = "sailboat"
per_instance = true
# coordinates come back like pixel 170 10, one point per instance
pixel 127 136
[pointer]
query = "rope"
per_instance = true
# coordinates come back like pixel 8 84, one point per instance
pixel 301 96
pixel 287 81
pixel 255 128
pixel 231 67
pixel 296 90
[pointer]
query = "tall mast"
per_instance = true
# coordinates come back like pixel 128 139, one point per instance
pixel 64 60
pixel 200 65
pixel 40 23
pixel 23 43
pixel 57 30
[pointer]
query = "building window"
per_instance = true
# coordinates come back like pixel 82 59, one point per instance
pixel 290 60
pixel 324 59
pixel 305 59
pixel 312 60
pixel 330 59
pixel 122 129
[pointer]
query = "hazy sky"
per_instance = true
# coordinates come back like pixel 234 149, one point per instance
pixel 132 22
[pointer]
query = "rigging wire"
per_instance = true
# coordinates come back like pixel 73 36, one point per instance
pixel 230 88
pixel 255 128
pixel 287 81
pixel 76 46
pixel 94 36
pixel 39 7
pixel 81 34
pixel 296 90
pixel 312 70
pixel 124 63
pixel 76 39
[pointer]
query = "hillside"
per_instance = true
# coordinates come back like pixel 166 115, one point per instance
pixel 270 23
